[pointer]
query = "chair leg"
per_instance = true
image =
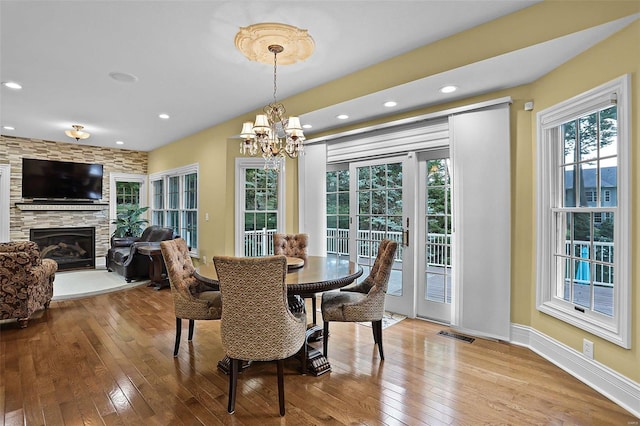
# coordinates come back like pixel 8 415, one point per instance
pixel 376 326
pixel 304 354
pixel 233 383
pixel 325 338
pixel 178 334
pixel 281 385
pixel 191 324
pixel 313 307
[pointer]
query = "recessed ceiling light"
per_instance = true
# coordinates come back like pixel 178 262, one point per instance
pixel 342 116
pixel 8 127
pixel 390 104
pixel 119 143
pixel 123 77
pixel 307 126
pixel 448 89
pixel 12 85
pixel 164 116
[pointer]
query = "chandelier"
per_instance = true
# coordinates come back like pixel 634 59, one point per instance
pixel 77 133
pixel 273 135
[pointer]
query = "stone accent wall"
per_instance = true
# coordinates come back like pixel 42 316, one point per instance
pixel 13 149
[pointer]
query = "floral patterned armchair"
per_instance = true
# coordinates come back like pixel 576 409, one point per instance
pixel 26 280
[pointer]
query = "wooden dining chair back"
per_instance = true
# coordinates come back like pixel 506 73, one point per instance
pixel 257 324
pixel 295 245
pixel 192 299
pixel 364 301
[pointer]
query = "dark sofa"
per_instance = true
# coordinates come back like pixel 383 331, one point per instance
pixel 124 258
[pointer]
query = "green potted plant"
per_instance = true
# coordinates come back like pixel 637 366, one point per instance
pixel 129 223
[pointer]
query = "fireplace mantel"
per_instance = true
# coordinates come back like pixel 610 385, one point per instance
pixel 38 206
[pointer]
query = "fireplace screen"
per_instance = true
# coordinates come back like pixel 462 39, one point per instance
pixel 72 248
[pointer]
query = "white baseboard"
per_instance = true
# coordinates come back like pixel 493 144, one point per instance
pixel 613 385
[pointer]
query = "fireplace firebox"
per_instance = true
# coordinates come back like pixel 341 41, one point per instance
pixel 72 248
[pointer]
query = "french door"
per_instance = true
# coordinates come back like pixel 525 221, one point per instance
pixel 382 206
pixel 434 281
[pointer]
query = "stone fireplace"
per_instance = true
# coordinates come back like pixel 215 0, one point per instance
pixel 72 248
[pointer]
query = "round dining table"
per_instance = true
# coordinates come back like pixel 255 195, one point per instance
pixel 315 274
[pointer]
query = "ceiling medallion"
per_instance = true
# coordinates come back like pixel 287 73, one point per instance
pixel 254 41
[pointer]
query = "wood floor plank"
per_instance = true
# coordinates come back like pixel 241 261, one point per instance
pixel 108 359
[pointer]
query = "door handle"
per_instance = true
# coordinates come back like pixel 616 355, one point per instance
pixel 405 238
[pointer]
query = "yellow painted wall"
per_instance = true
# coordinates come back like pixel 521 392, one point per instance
pixel 617 55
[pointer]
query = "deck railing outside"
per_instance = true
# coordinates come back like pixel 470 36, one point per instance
pixel 260 243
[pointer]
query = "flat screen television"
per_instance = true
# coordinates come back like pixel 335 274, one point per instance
pixel 61 180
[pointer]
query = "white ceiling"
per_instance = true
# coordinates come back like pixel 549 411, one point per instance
pixel 187 66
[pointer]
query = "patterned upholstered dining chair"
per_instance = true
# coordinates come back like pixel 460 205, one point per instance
pixel 193 299
pixel 257 324
pixel 363 301
pixel 294 245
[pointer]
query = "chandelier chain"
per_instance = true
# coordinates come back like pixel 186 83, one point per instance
pixel 275 72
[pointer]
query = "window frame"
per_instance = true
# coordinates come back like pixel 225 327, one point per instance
pixel 164 209
pixel 616 329
pixel 242 164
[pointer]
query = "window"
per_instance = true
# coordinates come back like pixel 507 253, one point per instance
pixel 127 195
pixel 337 201
pixel 259 207
pixel 583 257
pixel 174 202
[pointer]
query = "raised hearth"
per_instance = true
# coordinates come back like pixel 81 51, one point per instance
pixel 72 248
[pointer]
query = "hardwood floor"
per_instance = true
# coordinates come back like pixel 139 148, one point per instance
pixel 108 360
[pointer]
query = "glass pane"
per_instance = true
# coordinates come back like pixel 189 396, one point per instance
pixel 436 200
pixel 272 199
pixel 588 137
pixel 343 203
pixel 343 222
pixel 378 202
pixel 379 176
pixel 437 172
pixel 261 200
pixel 604 230
pixel 394 175
pixel 261 221
pixel 332 204
pixel 249 222
pixel 609 132
pixel 609 183
pixel 250 199
pixel 569 142
pixel 582 228
pixel 435 288
pixel 332 181
pixel 364 178
pixel 588 184
pixel 570 185
pixel 436 225
pixel 332 222
pixel 261 179
pixel 364 202
pixel 394 200
pixel 272 221
pixel 394 224
pixel 343 180
pixel 363 225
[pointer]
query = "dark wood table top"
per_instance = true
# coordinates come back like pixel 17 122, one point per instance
pixel 317 275
pixel 149 249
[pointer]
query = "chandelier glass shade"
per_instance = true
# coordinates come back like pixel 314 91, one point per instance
pixel 273 135
pixel 77 133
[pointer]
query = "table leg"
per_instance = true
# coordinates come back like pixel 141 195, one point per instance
pixel 155 273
